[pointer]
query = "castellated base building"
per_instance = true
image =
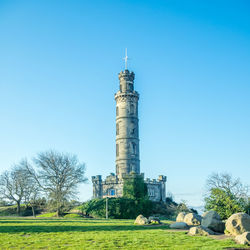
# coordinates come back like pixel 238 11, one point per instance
pixel 127 147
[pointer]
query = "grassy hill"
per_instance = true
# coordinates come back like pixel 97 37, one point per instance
pixel 52 233
pixel 11 210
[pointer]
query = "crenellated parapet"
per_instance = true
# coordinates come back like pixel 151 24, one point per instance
pixel 162 178
pixel 126 75
pixel 112 178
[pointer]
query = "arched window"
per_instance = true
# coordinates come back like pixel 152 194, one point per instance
pixel 132 128
pixel 117 169
pixel 117 128
pixel 134 148
pixel 117 149
pixel 132 109
pixel 132 168
pixel 131 87
pixel 151 192
pixel 117 110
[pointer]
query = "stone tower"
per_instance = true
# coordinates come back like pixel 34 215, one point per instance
pixel 127 130
pixel 127 146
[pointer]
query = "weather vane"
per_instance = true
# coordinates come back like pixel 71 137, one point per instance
pixel 126 59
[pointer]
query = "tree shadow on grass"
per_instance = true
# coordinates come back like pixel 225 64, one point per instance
pixel 63 228
pixel 38 221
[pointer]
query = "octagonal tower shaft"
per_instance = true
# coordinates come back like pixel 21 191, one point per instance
pixel 127 129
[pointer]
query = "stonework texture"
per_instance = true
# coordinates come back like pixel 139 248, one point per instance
pixel 127 146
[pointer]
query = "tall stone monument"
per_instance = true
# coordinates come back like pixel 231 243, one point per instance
pixel 127 130
pixel 127 145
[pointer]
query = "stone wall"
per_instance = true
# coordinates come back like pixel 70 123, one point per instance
pixel 157 188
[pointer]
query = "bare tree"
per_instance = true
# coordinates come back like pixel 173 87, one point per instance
pixel 14 185
pixel 228 184
pixel 32 192
pixel 58 175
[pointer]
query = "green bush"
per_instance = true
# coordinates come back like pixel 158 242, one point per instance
pixel 134 187
pixel 134 201
pixel 118 208
pixel 224 203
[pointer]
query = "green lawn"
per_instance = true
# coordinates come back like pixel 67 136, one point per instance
pixel 42 233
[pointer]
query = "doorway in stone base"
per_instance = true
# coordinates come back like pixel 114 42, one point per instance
pixel 112 192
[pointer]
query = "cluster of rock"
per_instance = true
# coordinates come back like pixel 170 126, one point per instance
pixel 210 223
pixel 141 220
pixel 184 221
pixel 239 225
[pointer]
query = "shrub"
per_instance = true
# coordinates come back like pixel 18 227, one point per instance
pixel 134 187
pixel 225 204
pixel 118 208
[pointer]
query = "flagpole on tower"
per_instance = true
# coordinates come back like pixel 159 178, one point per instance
pixel 126 59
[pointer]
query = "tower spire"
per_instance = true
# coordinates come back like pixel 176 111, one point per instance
pixel 126 59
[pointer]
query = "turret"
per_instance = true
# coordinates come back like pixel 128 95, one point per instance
pixel 97 186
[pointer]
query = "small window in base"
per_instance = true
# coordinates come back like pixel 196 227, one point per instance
pixel 112 192
pixel 151 192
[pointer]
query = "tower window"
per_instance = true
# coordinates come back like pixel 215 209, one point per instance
pixel 132 109
pixel 132 128
pixel 117 149
pixel 132 168
pixel 117 110
pixel 117 169
pixel 117 128
pixel 132 131
pixel 151 192
pixel 131 86
pixel 134 147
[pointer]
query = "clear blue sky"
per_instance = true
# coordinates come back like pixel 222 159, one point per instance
pixel 59 65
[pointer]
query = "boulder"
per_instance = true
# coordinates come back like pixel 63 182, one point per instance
pixel 243 239
pixel 180 217
pixel 212 214
pixel 141 220
pixel 212 220
pixel 238 224
pixel 202 231
pixel 154 220
pixel 192 219
pixel 179 225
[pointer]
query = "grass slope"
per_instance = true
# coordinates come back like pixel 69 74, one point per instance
pixel 10 210
pixel 19 233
